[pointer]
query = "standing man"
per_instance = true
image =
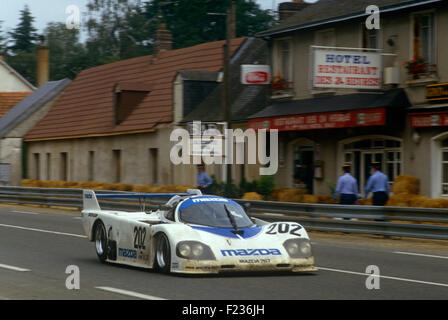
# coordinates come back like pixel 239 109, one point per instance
pixel 378 183
pixel 203 180
pixel 347 187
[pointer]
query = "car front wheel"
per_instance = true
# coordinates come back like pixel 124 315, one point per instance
pixel 163 254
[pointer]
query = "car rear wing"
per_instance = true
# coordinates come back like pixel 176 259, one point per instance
pixel 90 198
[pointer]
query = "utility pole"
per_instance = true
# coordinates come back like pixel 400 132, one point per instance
pixel 226 103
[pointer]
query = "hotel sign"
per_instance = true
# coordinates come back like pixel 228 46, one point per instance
pixel 341 69
pixel 436 93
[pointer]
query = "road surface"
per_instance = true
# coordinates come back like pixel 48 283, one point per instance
pixel 37 245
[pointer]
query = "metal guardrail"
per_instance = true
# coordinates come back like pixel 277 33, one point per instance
pixel 386 221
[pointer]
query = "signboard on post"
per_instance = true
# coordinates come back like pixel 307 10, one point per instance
pixel 255 74
pixel 342 69
pixel 206 138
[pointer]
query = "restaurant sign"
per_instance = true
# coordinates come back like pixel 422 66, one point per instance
pixel 420 120
pixel 328 120
pixel 255 74
pixel 334 68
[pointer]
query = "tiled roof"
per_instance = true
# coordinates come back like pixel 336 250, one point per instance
pixel 33 102
pixel 10 99
pixel 86 107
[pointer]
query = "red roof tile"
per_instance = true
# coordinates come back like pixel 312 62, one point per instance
pixel 10 99
pixel 86 107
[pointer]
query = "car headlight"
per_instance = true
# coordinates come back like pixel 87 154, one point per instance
pixel 298 248
pixel 184 250
pixel 194 250
pixel 198 250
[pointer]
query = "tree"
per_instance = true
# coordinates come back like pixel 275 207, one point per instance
pixel 3 43
pixel 191 23
pixel 115 29
pixel 21 54
pixel 24 35
pixel 67 55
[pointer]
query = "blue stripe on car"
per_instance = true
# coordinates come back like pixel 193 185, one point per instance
pixel 227 232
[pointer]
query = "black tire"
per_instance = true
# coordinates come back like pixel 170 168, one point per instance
pixel 162 257
pixel 101 241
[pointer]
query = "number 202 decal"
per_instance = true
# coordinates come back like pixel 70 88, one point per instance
pixel 284 228
pixel 139 238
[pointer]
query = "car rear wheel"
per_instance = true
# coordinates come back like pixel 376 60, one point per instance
pixel 101 241
pixel 162 258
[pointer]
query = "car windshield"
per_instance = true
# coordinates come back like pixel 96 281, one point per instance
pixel 215 215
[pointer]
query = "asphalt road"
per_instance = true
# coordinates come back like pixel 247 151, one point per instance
pixel 37 245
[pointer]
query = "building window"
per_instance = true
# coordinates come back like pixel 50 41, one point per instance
pixel 48 166
pixel 361 153
pixel 116 165
pixel 90 166
pixel 64 166
pixel 369 38
pixel 285 58
pixel 423 36
pixel 153 165
pixel 37 165
pixel 393 164
pixel 128 96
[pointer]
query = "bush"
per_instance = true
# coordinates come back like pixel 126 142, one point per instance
pixel 265 186
pixel 291 195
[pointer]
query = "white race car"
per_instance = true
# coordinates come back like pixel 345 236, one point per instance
pixel 196 234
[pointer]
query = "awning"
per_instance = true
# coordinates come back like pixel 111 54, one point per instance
pixel 342 111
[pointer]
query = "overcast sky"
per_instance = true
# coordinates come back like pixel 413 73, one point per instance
pixel 45 11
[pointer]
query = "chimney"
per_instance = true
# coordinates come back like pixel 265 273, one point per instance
pixel 43 62
pixel 288 9
pixel 163 40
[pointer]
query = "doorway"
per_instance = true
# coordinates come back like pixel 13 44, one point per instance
pixel 303 160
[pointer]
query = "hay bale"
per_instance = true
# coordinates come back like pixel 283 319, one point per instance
pixel 94 185
pixel 291 195
pixel 406 184
pixel 365 202
pixel 310 198
pixel 326 200
pixel 143 188
pixel 27 182
pixel 252 196
pixel 435 203
pixel 275 194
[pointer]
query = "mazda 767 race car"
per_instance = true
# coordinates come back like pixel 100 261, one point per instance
pixel 194 234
